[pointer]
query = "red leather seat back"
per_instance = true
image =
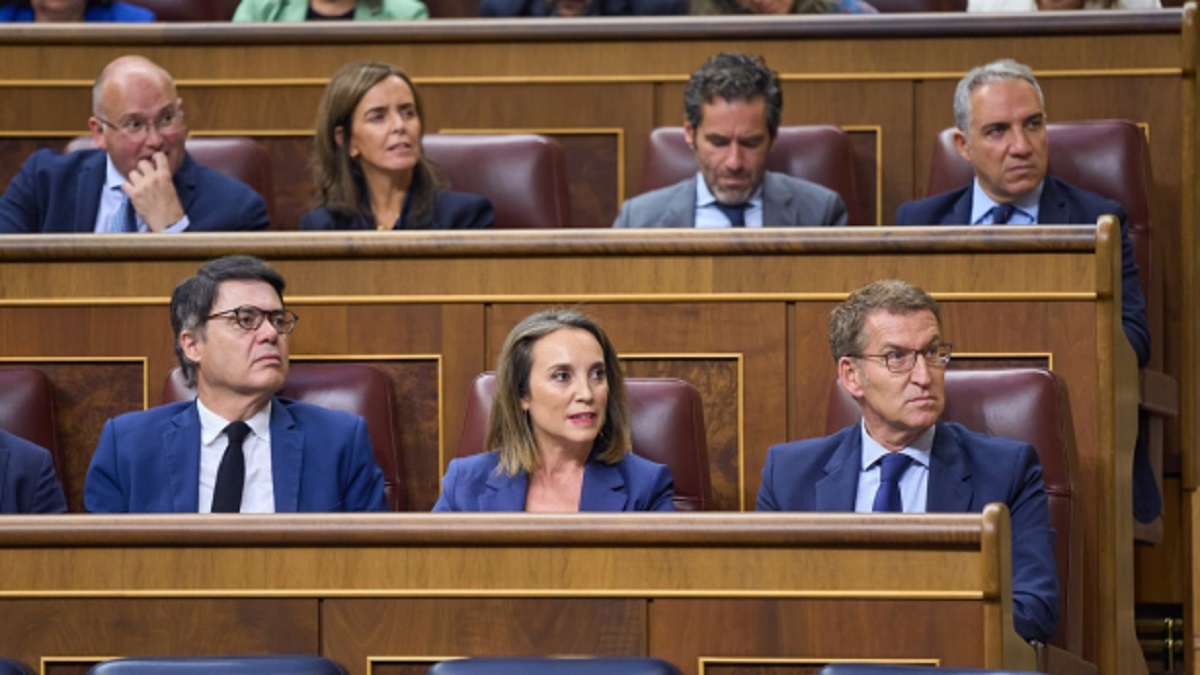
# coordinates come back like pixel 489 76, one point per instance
pixel 819 153
pixel 238 157
pixel 524 175
pixel 668 427
pixel 350 387
pixel 27 408
pixel 1029 405
pixel 189 10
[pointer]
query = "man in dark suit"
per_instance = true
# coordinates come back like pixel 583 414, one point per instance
pixel 732 107
pixel 139 180
pixel 28 483
pixel 887 342
pixel 237 447
pixel 1001 130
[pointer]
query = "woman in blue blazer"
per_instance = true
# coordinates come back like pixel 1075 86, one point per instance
pixel 370 170
pixel 560 428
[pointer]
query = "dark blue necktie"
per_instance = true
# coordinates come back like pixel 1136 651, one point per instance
pixel 736 213
pixel 891 468
pixel 1001 213
pixel 231 474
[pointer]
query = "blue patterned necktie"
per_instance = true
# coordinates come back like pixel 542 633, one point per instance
pixel 124 219
pixel 1001 213
pixel 736 213
pixel 891 468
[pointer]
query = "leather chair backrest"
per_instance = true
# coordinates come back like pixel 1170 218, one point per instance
pixel 819 153
pixel 668 427
pixel 220 665
pixel 189 10
pixel 555 666
pixel 919 5
pixel 350 387
pixel 238 157
pixel 27 408
pixel 1108 157
pixel 453 9
pixel 1024 404
pixel 524 175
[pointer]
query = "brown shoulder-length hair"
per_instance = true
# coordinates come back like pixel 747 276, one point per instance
pixel 509 428
pixel 341 187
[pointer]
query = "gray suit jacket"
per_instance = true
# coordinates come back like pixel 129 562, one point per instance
pixel 787 202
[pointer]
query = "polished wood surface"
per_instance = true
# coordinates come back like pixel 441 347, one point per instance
pixel 394 589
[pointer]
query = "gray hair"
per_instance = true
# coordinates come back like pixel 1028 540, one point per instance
pixel 996 71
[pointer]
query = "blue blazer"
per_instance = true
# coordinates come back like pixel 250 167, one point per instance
pixel 149 461
pixel 1061 204
pixel 633 484
pixel 28 483
pixel 966 472
pixel 56 192
pixel 117 12
pixel 453 211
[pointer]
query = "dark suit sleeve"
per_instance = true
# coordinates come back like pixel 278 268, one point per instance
pixel 465 211
pixel 836 214
pixel 47 494
pixel 1133 303
pixel 904 214
pixel 658 7
pixel 766 491
pixel 1034 574
pixel 102 492
pixel 317 219
pixel 448 500
pixel 19 206
pixel 364 486
pixel 662 490
pixel 502 8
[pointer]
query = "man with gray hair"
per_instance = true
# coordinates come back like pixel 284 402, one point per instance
pixel 237 447
pixel 141 178
pixel 732 108
pixel 1000 117
pixel 891 357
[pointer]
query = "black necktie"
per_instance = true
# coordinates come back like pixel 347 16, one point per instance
pixel 736 213
pixel 231 474
pixel 891 468
pixel 1001 213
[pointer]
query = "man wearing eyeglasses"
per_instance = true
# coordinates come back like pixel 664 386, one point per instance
pixel 887 343
pixel 237 447
pixel 139 180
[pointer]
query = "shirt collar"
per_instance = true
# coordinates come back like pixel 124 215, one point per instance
pixel 213 425
pixel 112 178
pixel 981 203
pixel 920 449
pixel 704 197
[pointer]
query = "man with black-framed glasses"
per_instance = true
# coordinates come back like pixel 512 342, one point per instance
pixel 237 447
pixel 140 179
pixel 891 357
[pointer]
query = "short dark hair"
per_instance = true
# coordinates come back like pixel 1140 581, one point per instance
pixel 733 77
pixel 193 298
pixel 890 295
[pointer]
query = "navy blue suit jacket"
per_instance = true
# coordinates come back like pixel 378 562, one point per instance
pixel 1061 204
pixel 632 484
pixel 604 7
pixel 149 461
pixel 119 12
pixel 453 211
pixel 57 192
pixel 967 471
pixel 28 483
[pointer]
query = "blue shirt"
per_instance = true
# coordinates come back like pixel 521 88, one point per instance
pixel 1025 209
pixel 914 484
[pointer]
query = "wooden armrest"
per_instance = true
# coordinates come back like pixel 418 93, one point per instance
pixel 1058 661
pixel 1158 393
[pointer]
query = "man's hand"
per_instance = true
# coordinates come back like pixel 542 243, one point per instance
pixel 153 194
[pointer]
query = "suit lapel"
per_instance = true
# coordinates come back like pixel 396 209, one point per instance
pixel 603 488
pixel 287 458
pixel 504 492
pixel 949 489
pixel 90 182
pixel 1052 207
pixel 181 444
pixel 961 213
pixel 185 182
pixel 838 489
pixel 777 203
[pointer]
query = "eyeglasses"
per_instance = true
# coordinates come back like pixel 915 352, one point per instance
pixel 249 318
pixel 902 361
pixel 135 128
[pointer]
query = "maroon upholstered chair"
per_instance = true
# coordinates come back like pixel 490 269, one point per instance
pixel 189 10
pixel 920 5
pixel 524 175
pixel 819 153
pixel 350 387
pixel 668 428
pixel 1029 405
pixel 238 157
pixel 453 9
pixel 27 408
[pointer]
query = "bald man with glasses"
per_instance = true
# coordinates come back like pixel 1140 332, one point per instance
pixel 140 179
pixel 891 357
pixel 237 447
